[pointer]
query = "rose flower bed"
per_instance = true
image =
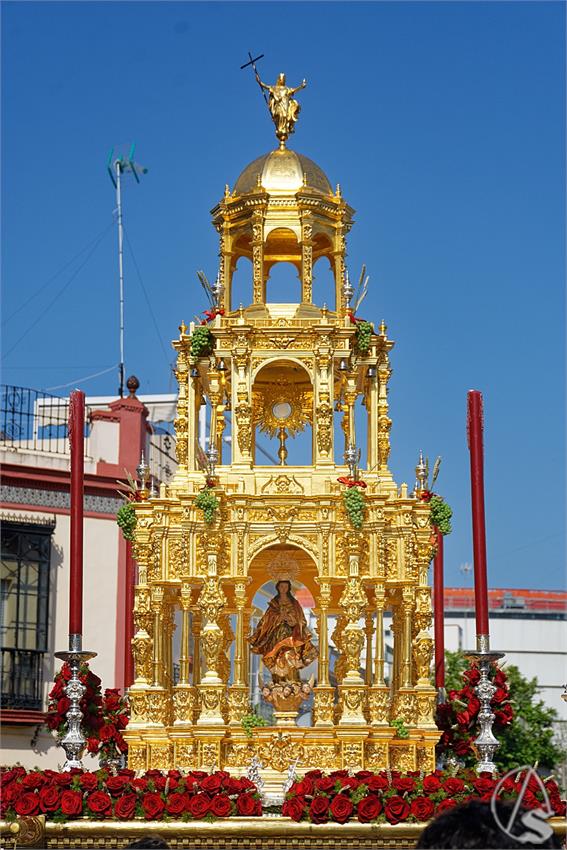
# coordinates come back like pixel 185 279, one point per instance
pixel 392 797
pixel 155 795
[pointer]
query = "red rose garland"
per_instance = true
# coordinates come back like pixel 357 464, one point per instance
pixel 392 797
pixel 154 796
pixel 458 717
pixel 104 717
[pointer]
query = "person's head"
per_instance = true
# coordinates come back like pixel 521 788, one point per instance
pixel 283 588
pixel 149 842
pixel 473 825
pixel 281 80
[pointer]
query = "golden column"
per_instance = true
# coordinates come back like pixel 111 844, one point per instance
pixel 258 283
pixel 306 258
pixel 184 694
pixel 324 693
pixel 238 691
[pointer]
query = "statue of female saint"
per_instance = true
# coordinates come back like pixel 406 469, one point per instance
pixel 282 637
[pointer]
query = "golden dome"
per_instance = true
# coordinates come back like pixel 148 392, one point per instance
pixel 283 171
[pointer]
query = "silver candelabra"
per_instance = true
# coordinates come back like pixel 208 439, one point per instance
pixel 486 743
pixel 73 742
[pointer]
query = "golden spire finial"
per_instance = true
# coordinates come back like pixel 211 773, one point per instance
pixel 383 328
pixel 182 327
pixel 283 108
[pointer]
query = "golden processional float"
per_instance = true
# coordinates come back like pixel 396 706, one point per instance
pixel 229 526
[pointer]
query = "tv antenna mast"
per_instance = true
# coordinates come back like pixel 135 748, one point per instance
pixel 117 165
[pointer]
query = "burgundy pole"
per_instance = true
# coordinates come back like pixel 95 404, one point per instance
pixel 439 610
pixel 474 429
pixel 76 440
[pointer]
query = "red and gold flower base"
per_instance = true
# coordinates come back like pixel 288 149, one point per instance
pixel 84 809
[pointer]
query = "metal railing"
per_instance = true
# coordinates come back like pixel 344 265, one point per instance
pixel 22 679
pixel 31 420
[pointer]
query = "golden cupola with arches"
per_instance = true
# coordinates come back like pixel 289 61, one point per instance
pixel 282 412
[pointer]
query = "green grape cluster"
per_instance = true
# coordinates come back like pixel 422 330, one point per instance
pixel 440 515
pixel 401 729
pixel 363 335
pixel 355 505
pixel 208 503
pixel 126 519
pixel 250 721
pixel 201 341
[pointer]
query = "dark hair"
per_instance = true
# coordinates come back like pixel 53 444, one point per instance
pixel 150 842
pixel 473 825
pixel 284 581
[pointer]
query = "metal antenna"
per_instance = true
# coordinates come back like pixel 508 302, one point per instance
pixel 116 166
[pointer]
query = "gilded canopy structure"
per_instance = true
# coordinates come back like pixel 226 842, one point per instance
pixel 217 536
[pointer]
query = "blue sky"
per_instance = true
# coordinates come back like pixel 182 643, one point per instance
pixel 443 123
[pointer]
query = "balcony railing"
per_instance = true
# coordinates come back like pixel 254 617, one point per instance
pixel 31 420
pixel 22 679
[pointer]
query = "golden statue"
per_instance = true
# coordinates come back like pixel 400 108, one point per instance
pixel 282 637
pixel 283 108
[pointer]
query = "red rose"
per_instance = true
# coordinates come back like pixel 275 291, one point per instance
pixel 125 807
pixel 431 784
pixel 404 784
pixel 125 771
pixel 107 732
pixel 99 802
pixel 89 781
pixel 325 784
pixel 27 804
pixel 140 784
pixel 501 695
pixel 33 780
pixel 122 721
pixel 176 804
pixel 463 718
pixel 199 805
pixel 369 808
pixel 212 784
pixel 305 788
pixel 63 779
pixel 153 806
pixel 246 784
pixel 472 676
pixel 422 808
pixel 314 774
pixel 445 805
pixel 377 783
pixel 196 774
pixel 319 810
pixel 221 806
pixel 483 785
pixel 72 803
pixel 115 785
pixel 63 705
pixel 339 774
pixel 452 786
pixel 248 806
pixel 500 678
pixel 294 808
pixel 363 774
pixel 504 715
pixel 396 809
pixel 341 808
pixel 462 748
pixel 92 745
pixel 49 798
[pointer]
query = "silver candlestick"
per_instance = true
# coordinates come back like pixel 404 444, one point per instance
pixel 73 742
pixel 348 290
pixel 352 457
pixel 486 744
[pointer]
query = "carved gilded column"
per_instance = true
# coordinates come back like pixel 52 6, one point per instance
pixel 379 695
pixel 323 420
pixel 384 421
pixel 352 691
pixel 339 260
pixel 238 691
pixel 324 694
pixel 258 285
pixel 242 429
pixel 225 258
pixel 184 422
pixel 211 690
pixel 184 696
pixel 306 259
pixel 196 631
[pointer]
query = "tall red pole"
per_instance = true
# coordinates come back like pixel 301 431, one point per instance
pixel 76 440
pixel 439 609
pixel 474 429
